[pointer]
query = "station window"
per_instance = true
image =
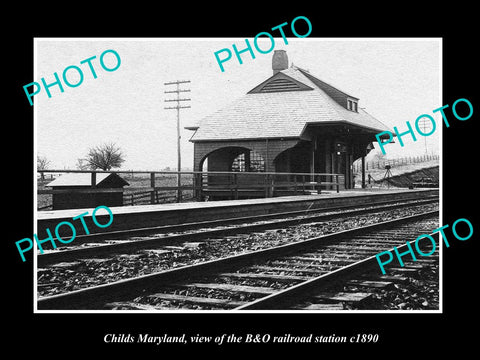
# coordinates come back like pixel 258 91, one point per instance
pixel 253 162
pixel 352 105
pixel 238 164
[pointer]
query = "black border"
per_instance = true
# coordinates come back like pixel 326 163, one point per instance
pixel 406 333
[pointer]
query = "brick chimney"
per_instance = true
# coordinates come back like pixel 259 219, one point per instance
pixel 279 61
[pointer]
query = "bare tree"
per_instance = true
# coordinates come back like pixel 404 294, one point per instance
pixel 42 164
pixel 105 157
pixel 82 164
pixel 379 156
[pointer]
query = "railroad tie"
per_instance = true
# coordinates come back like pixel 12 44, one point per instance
pixel 392 278
pixel 197 300
pixel 235 288
pixel 126 305
pixel 273 277
pixel 371 283
pixel 335 306
pixel 156 251
pixel 404 270
pixel 344 297
pixel 320 259
pixel 288 270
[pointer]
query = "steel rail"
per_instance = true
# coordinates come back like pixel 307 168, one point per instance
pixel 95 297
pixel 284 299
pixel 231 221
pixel 135 245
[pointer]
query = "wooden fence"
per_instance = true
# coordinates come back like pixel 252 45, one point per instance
pixel 154 187
pixel 380 164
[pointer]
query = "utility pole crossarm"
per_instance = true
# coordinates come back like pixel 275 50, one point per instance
pixel 177 107
pixel 176 82
pixel 176 91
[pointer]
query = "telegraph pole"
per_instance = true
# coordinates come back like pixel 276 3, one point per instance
pixel 425 126
pixel 178 107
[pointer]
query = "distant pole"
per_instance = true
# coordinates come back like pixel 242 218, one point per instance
pixel 425 126
pixel 178 107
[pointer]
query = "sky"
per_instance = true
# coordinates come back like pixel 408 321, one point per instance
pixel 396 80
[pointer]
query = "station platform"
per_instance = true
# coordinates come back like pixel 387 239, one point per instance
pixel 142 216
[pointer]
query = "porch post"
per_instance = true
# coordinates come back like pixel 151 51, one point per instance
pixel 328 163
pixel 363 172
pixel 312 159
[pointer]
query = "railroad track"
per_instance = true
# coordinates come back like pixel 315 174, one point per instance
pixel 369 289
pixel 128 241
pixel 272 278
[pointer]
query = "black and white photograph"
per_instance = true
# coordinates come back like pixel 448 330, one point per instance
pixel 224 183
pixel 265 186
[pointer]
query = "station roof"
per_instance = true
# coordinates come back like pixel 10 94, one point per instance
pixel 283 106
pixel 84 179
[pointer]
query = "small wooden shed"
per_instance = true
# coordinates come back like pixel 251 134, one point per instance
pixel 75 190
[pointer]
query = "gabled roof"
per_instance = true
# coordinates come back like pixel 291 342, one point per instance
pixel 84 179
pixel 334 92
pixel 282 106
pixel 278 83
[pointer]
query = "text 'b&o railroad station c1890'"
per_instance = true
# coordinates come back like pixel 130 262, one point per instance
pixel 293 122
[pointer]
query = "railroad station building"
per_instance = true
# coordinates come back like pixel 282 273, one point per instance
pixel 292 122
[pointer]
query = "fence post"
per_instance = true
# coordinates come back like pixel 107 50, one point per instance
pixel 152 185
pixel 179 186
pixel 93 180
pixel 235 184
pixel 197 186
pixel 272 185
pixel 266 184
